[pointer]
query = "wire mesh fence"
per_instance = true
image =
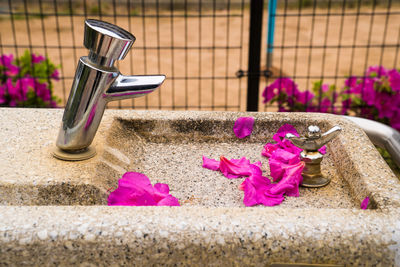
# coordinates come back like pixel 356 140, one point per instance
pixel 200 45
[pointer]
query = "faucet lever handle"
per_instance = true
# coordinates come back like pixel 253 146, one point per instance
pixel 314 140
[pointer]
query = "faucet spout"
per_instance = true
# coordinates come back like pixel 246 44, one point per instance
pixel 125 87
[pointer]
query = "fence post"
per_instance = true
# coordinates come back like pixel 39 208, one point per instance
pixel 253 78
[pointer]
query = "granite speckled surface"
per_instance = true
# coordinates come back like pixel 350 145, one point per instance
pixel 53 213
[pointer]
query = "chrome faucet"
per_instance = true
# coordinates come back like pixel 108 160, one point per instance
pixel 97 81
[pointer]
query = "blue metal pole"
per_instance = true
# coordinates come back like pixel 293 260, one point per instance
pixel 271 31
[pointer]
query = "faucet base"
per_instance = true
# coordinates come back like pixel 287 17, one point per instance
pixel 315 181
pixel 78 155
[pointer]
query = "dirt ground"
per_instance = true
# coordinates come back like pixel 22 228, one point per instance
pixel 212 65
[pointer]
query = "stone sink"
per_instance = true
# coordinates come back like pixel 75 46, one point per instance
pixel 55 212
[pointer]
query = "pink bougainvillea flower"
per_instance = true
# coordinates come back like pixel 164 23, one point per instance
pixel 2 94
pixel 243 127
pixel 42 91
pixel 376 71
pixel 7 61
pixel 55 75
pixel 364 203
pixel 18 93
pixel 37 58
pixel 135 189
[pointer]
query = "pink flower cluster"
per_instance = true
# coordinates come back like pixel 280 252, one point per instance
pixel 15 89
pixel 135 189
pixel 286 92
pixel 285 167
pixel 376 95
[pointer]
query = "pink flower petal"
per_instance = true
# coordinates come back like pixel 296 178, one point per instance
pixel 276 169
pixel 135 189
pixel 234 168
pixel 256 191
pixel 291 180
pixel 211 164
pixel 243 127
pixel 169 201
pixel 269 149
pixel 254 187
pixel 285 156
pixel 160 191
pixel 364 203
pixel 268 199
pixel 282 131
pixel 282 143
pixel 322 150
pixel 289 146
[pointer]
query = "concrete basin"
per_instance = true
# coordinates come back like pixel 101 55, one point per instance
pixel 54 212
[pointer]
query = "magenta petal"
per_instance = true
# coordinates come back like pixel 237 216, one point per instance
pixel 269 149
pixel 268 199
pixel 322 150
pixel 291 180
pixel 135 189
pixel 243 127
pixel 250 193
pixel 234 168
pixel 276 169
pixel 290 147
pixel 285 156
pixel 253 188
pixel 256 191
pixel 211 164
pixel 285 129
pixel 364 203
pixel 135 180
pixel 120 197
pixel 160 191
pixel 169 201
